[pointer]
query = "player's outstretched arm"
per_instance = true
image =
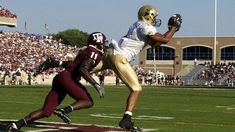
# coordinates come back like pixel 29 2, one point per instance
pixel 174 24
pixel 50 62
pixel 64 64
pixel 84 67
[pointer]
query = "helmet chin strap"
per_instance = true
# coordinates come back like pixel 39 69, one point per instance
pixel 96 48
pixel 100 50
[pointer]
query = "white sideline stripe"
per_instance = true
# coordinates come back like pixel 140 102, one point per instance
pixel 68 128
pixel 228 107
pixel 140 117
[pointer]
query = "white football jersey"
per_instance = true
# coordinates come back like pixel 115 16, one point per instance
pixel 135 40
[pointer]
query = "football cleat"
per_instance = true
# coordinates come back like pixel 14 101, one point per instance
pixel 136 129
pixel 126 123
pixel 65 117
pixel 12 128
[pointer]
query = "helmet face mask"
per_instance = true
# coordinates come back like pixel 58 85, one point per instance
pixel 158 22
pixel 148 14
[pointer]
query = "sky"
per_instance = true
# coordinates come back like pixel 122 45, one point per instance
pixel 114 17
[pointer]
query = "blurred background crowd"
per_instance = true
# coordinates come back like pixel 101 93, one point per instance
pixel 6 13
pixel 21 52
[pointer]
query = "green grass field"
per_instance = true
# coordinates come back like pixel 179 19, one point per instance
pixel 164 109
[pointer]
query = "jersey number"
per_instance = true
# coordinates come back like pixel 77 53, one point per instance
pixel 93 55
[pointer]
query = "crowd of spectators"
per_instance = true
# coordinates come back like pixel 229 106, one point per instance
pixel 22 52
pixel 213 74
pixel 148 77
pixel 6 13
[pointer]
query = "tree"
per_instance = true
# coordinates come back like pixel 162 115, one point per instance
pixel 72 37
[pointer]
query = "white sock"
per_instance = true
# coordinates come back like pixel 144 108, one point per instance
pixel 14 126
pixel 25 122
pixel 129 113
pixel 71 107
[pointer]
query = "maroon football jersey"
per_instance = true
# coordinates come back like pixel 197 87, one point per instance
pixel 84 53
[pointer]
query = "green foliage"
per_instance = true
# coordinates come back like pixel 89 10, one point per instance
pixel 73 37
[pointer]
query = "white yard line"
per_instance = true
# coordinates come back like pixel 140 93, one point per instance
pixel 228 107
pixel 139 117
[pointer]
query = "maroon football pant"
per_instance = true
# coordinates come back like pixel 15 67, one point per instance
pixel 62 85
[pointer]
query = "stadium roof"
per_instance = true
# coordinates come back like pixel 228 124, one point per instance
pixel 6 21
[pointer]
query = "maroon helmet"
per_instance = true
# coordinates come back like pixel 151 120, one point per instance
pixel 97 39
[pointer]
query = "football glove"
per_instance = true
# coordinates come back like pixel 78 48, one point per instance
pixel 100 90
pixel 175 21
pixel 50 62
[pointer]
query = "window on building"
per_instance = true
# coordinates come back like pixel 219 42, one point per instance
pixel 199 52
pixel 162 53
pixel 228 53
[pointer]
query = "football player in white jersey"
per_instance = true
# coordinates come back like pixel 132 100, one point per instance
pixel 140 34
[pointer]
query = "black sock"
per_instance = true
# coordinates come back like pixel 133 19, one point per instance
pixel 68 109
pixel 20 123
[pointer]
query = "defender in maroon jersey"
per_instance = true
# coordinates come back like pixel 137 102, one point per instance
pixel 67 82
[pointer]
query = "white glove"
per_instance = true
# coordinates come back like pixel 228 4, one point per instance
pixel 100 90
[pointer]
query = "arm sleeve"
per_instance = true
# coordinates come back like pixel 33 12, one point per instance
pixel 65 64
pixel 47 64
pixel 84 67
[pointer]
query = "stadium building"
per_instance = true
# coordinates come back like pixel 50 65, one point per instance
pixel 181 53
pixel 7 18
pixel 6 21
